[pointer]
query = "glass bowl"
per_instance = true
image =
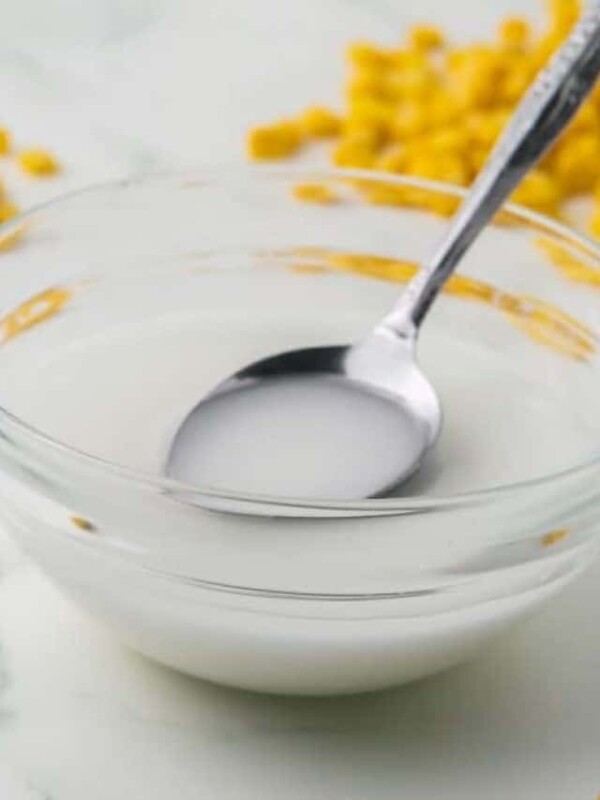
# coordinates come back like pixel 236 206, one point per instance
pixel 266 593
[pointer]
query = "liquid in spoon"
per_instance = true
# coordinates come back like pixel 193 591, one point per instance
pixel 300 437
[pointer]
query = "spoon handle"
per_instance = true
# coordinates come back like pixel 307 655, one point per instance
pixel 547 107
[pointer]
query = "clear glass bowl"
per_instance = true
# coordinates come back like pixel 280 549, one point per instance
pixel 310 597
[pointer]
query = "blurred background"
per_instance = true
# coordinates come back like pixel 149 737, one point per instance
pixel 120 86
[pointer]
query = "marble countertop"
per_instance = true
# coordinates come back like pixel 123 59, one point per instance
pixel 119 87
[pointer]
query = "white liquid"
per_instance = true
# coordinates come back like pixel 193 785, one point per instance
pixel 315 436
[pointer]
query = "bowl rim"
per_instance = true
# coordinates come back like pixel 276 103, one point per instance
pixel 245 502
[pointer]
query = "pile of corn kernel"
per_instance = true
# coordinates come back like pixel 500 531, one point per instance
pixel 432 110
pixel 34 162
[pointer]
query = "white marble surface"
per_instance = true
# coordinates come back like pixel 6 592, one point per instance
pixel 121 86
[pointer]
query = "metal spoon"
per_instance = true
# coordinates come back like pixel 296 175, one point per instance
pixel 246 426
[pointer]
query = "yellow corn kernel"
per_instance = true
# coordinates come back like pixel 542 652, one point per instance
pixel 473 76
pixel 365 54
pixel 381 194
pixel 442 109
pixel 411 120
pixel 594 223
pixel 5 141
pixel 545 48
pixel 476 158
pixel 456 59
pixel 278 140
pixel 374 266
pixel 367 83
pixel 426 37
pixel 563 14
pixel 393 160
pixel 442 167
pixel 514 32
pixel 447 140
pixel 371 112
pixel 409 59
pixel 475 89
pixel 412 84
pixel 513 86
pixel 476 57
pixel 570 265
pixel 538 191
pixel 11 238
pixel 33 311
pixel 463 286
pixel 444 205
pixel 320 122
pixel 575 163
pixel 485 128
pixel 585 120
pixel 594 96
pixel 554 537
pixel 7 211
pixel 440 203
pixel 39 163
pixel 550 326
pixel 364 133
pixel 83 524
pixel 354 153
pixel 317 193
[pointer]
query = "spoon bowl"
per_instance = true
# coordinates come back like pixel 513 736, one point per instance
pixel 355 421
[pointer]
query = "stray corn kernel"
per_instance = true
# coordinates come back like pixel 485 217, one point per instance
pixel 441 167
pixel 576 163
pixel 314 193
pixel 7 211
pixel 443 110
pixel 83 524
pixel 393 160
pixel 515 32
pixel 410 122
pixel 368 84
pixel 39 163
pixel 38 308
pixel 5 141
pixel 563 15
pixel 484 128
pixel 448 140
pixel 513 86
pixel 539 192
pixel 372 113
pixel 364 54
pixel 426 37
pixel 594 223
pixel 585 120
pixel 475 85
pixel 572 266
pixel 279 140
pixel 11 238
pixel 320 122
pixel 554 537
pixel 354 153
